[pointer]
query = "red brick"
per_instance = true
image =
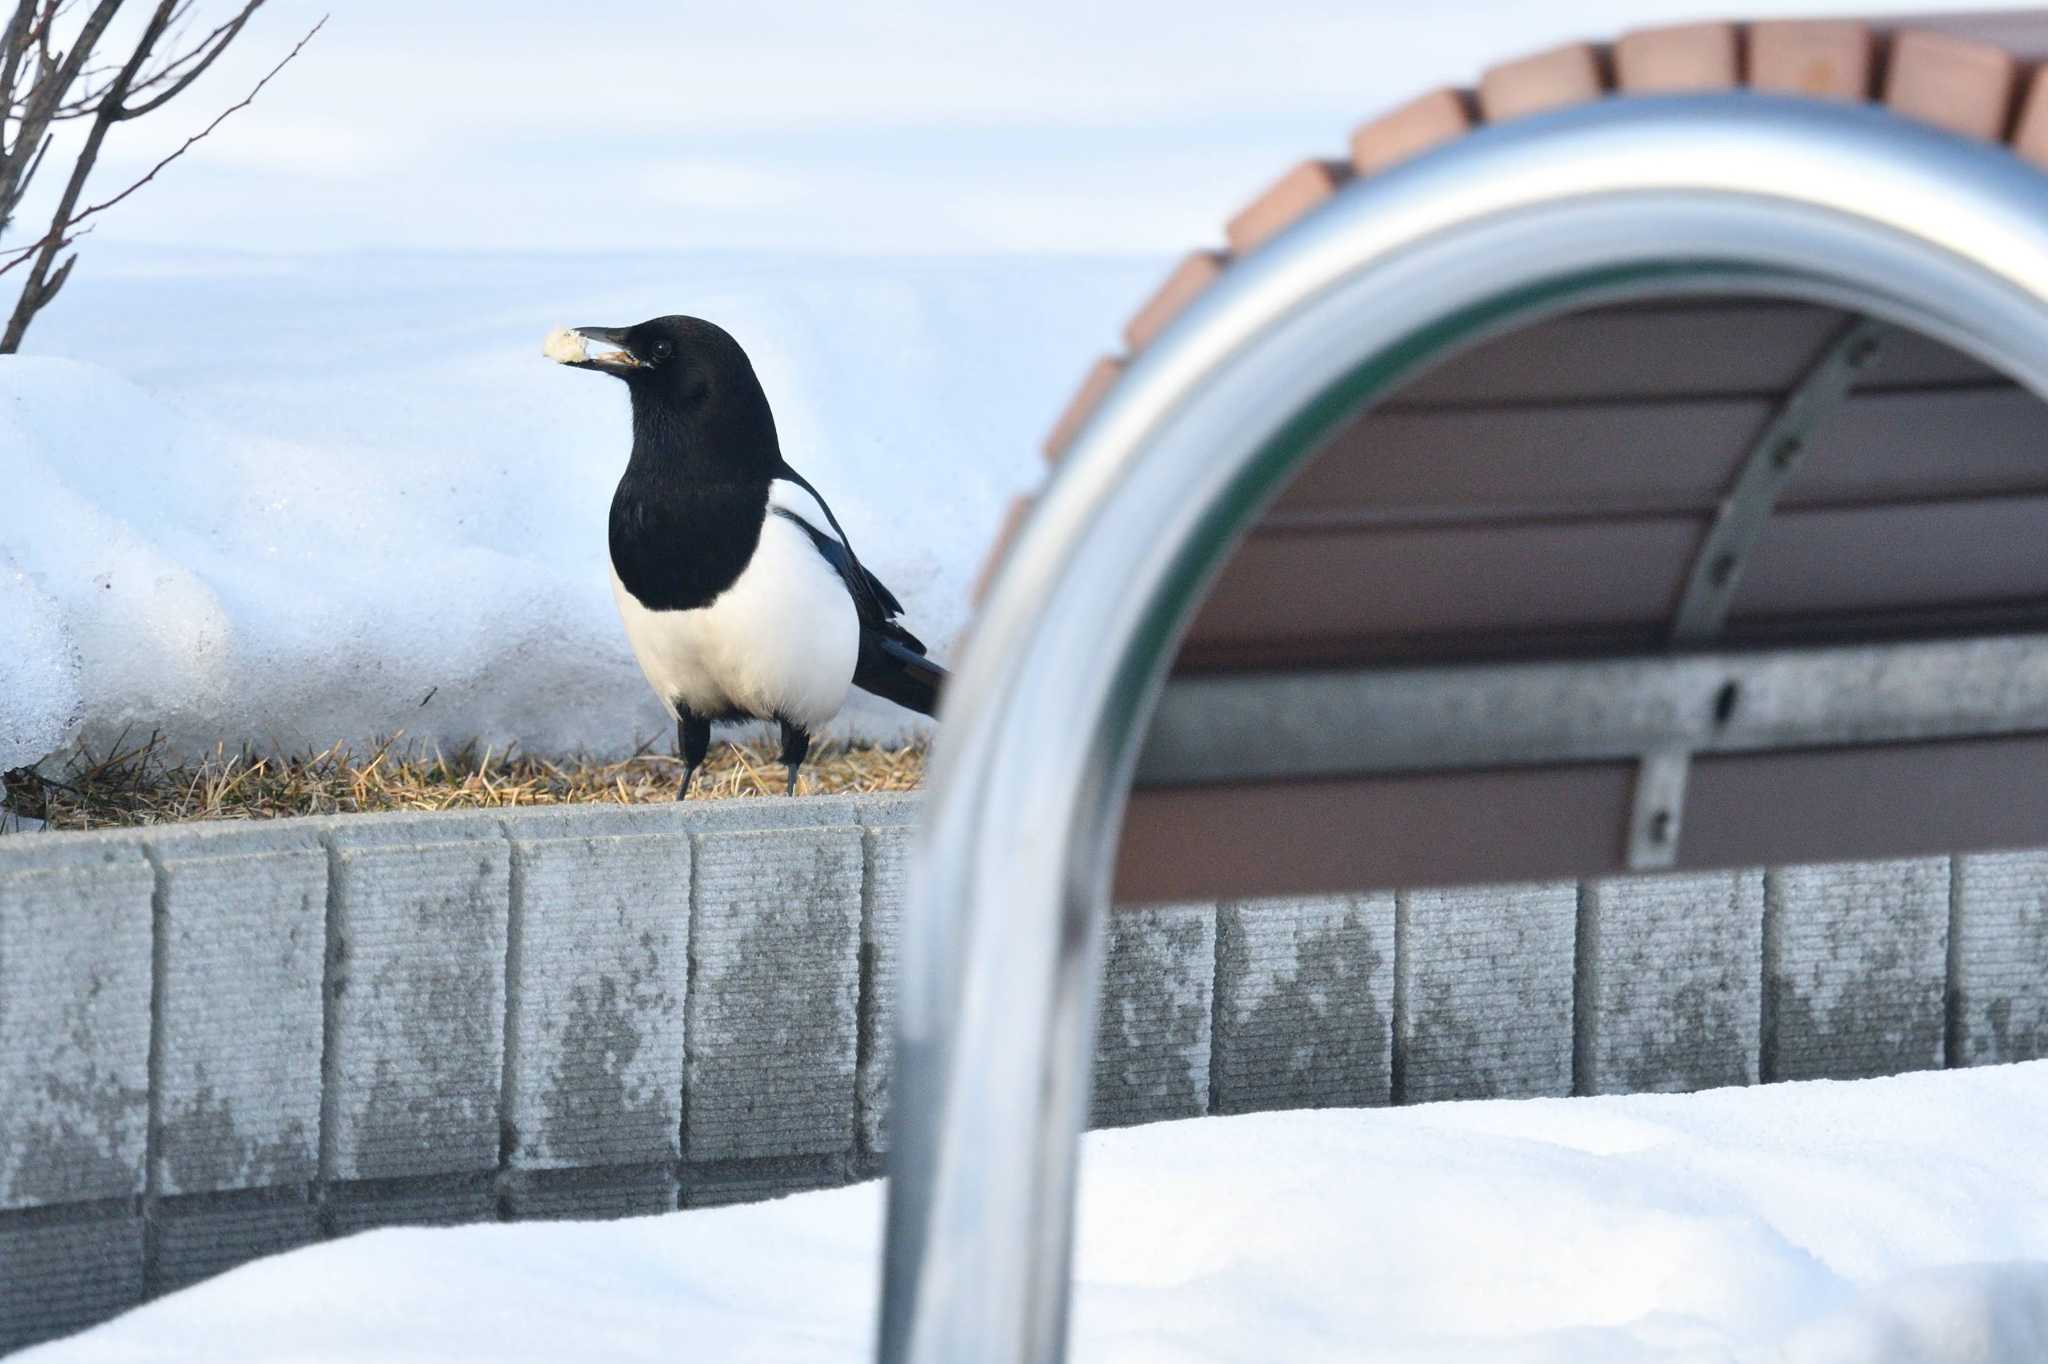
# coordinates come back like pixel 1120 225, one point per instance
pixel 1194 274
pixel 2030 138
pixel 1410 130
pixel 1292 195
pixel 1548 80
pixel 1013 521
pixel 1094 388
pixel 1953 83
pixel 1681 57
pixel 1823 59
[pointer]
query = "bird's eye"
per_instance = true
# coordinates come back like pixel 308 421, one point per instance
pixel 662 350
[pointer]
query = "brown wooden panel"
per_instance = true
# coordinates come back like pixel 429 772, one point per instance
pixel 1866 558
pixel 1613 457
pixel 1281 592
pixel 1673 350
pixel 1306 598
pixel 1291 838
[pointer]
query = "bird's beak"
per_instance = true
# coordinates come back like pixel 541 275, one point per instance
pixel 602 348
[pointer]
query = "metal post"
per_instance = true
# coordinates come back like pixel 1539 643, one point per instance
pixel 1749 194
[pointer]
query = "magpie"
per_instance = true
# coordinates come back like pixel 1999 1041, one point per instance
pixel 741 594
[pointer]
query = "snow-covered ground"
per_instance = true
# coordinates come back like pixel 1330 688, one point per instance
pixel 1897 1221
pixel 285 499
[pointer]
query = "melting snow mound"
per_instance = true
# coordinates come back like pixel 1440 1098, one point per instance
pixel 1895 1221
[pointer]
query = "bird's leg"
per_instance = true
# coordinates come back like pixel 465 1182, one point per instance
pixel 796 742
pixel 693 738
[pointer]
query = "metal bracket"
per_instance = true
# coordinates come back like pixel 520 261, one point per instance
pixel 1659 806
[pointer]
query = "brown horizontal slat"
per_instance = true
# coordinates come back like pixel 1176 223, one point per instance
pixel 1292 838
pixel 1899 557
pixel 1347 596
pixel 1282 592
pixel 1284 838
pixel 1610 457
pixel 1668 351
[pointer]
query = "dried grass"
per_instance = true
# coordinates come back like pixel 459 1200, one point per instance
pixel 137 783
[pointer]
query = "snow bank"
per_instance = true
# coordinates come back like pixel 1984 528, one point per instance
pixel 1898 1221
pixel 287 499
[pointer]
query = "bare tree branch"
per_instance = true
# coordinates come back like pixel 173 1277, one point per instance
pixel 62 86
pixel 219 40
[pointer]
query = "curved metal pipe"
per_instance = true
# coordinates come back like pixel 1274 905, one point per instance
pixel 1001 941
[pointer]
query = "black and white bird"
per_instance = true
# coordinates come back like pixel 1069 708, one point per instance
pixel 742 596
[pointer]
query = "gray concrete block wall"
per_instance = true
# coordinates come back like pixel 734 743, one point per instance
pixel 888 883
pixel 607 1012
pixel 590 1194
pixel 775 966
pixel 1304 1003
pixel 1998 1009
pixel 59 1276
pixel 1669 989
pixel 1484 992
pixel 417 975
pixel 599 969
pixel 1855 969
pixel 242 946
pixel 197 1238
pixel 1152 1037
pixel 75 983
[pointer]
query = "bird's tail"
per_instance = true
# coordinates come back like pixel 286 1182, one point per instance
pixel 896 672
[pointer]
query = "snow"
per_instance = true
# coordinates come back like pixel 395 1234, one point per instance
pixel 286 499
pixel 1894 1221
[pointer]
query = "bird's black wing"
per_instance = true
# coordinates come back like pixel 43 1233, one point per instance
pixel 891 662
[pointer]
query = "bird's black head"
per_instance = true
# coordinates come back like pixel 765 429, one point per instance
pixel 698 410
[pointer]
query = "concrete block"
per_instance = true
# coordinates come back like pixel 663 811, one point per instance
pixel 444 1201
pixel 596 1194
pixel 599 967
pixel 1484 992
pixel 1670 982
pixel 1304 1003
pixel 61 1276
pixel 74 1017
pixel 2001 959
pixel 888 809
pixel 720 1184
pixel 1855 969
pixel 1152 1036
pixel 418 1008
pixel 775 812
pixel 775 935
pixel 244 943
pixel 205 1235
pixel 888 884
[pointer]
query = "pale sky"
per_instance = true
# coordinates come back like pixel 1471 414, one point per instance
pixel 906 125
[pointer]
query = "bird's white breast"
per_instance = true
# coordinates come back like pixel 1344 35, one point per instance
pixel 780 642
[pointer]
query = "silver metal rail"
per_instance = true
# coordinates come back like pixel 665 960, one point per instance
pixel 1252 727
pixel 1623 199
